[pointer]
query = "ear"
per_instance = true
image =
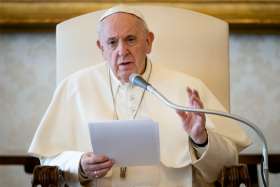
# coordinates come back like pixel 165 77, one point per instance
pixel 149 40
pixel 98 43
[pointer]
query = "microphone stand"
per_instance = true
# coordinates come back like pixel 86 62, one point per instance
pixel 138 81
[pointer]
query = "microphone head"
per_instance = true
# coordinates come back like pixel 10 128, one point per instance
pixel 137 80
pixel 132 76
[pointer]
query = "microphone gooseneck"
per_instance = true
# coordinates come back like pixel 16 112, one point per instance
pixel 137 80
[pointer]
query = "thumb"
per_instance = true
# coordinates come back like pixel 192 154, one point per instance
pixel 183 115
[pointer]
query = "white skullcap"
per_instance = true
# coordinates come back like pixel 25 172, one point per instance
pixel 124 9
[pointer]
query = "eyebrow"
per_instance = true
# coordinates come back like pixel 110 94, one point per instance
pixel 111 38
pixel 130 35
pixel 114 37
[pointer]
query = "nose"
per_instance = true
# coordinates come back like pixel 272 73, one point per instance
pixel 122 48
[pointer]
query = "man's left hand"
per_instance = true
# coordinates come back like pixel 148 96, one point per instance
pixel 194 123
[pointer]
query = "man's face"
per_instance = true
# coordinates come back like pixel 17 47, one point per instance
pixel 124 43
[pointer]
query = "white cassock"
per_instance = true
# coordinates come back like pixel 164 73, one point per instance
pixel 85 96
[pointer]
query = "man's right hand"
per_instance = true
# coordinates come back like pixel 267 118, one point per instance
pixel 94 166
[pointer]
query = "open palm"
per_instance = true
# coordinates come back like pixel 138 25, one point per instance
pixel 194 123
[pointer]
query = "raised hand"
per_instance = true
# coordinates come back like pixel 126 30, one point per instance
pixel 194 123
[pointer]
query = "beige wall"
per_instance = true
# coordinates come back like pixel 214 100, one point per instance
pixel 27 70
pixel 27 80
pixel 255 81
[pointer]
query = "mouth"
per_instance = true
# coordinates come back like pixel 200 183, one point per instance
pixel 125 63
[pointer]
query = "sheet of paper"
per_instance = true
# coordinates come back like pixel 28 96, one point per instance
pixel 128 142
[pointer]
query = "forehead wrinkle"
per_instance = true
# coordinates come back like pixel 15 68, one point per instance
pixel 121 25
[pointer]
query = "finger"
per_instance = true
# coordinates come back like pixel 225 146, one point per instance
pixel 94 159
pixel 101 158
pixel 183 115
pixel 191 95
pixel 196 93
pixel 107 164
pixel 86 159
pixel 98 173
pixel 192 92
pixel 189 91
pixel 103 172
pixel 197 103
pixel 191 101
pixel 185 118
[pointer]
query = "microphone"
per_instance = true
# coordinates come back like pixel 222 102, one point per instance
pixel 137 80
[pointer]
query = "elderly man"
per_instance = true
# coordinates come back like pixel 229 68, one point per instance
pixel 193 149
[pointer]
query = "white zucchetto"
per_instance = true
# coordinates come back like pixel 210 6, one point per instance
pixel 124 9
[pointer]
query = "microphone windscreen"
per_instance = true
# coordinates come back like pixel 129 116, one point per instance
pixel 137 80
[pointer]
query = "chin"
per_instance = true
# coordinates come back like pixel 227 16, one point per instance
pixel 125 76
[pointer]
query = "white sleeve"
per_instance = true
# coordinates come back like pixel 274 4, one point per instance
pixel 68 161
pixel 199 150
pixel 219 152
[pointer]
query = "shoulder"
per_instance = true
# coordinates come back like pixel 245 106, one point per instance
pixel 95 70
pixel 174 83
pixel 82 78
pixel 172 78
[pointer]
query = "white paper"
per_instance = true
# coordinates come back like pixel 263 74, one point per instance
pixel 128 142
